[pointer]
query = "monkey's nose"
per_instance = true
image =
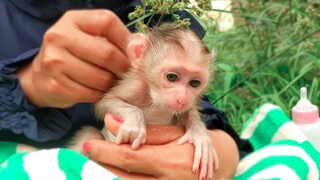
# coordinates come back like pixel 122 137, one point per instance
pixel 181 102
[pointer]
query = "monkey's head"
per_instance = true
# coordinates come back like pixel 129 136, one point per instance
pixel 176 65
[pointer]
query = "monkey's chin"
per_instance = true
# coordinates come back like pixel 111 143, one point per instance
pixel 174 107
pixel 177 110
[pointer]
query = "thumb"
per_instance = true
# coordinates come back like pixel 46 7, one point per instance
pixel 112 123
pixel 156 134
pixel 162 134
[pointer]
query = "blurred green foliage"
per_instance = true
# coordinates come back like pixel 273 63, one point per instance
pixel 157 9
pixel 272 51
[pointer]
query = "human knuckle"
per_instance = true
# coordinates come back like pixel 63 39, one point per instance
pixel 106 16
pixel 52 35
pixel 105 81
pixel 53 87
pixel 106 52
pixel 126 158
pixel 51 61
pixel 71 13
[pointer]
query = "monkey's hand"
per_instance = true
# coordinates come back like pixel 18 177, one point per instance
pixel 133 131
pixel 205 156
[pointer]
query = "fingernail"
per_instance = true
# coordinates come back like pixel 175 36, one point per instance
pixel 116 118
pixel 86 147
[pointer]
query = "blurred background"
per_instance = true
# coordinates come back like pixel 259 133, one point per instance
pixel 266 50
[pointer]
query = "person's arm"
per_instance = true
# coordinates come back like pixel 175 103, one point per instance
pixel 160 157
pixel 78 60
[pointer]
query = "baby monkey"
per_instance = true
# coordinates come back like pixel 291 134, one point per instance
pixel 170 69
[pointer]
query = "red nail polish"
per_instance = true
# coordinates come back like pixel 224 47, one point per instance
pixel 116 118
pixel 86 147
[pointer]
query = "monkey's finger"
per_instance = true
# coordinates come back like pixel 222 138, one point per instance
pixel 118 140
pixel 140 139
pixel 121 137
pixel 185 138
pixel 136 143
pixel 204 162
pixel 210 164
pixel 197 156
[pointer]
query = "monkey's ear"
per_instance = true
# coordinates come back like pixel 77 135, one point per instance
pixel 137 43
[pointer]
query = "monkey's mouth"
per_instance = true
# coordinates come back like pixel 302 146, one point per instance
pixel 176 109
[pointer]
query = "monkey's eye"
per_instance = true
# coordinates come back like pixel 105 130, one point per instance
pixel 194 83
pixel 172 77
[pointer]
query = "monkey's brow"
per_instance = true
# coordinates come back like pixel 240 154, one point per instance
pixel 190 69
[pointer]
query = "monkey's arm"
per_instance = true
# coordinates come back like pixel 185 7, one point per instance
pixel 133 129
pixel 196 134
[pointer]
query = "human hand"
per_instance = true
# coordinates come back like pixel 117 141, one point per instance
pixel 160 158
pixel 80 56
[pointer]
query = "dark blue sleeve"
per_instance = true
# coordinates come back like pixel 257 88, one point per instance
pixel 21 35
pixel 18 116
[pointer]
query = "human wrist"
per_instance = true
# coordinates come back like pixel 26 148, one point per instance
pixel 24 75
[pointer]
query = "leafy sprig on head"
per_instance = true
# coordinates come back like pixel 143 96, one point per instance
pixel 144 13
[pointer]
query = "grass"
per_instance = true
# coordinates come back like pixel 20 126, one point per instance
pixel 273 51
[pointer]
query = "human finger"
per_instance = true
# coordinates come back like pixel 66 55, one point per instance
pixel 112 123
pixel 87 74
pixel 56 89
pixel 98 51
pixel 103 23
pixel 65 87
pixel 122 157
pixel 162 161
pixel 123 174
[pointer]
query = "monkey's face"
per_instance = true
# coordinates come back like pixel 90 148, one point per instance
pixel 181 82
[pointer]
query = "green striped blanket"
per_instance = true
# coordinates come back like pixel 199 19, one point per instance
pixel 51 164
pixel 281 152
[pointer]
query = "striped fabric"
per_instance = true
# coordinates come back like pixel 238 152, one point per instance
pixel 281 150
pixel 52 164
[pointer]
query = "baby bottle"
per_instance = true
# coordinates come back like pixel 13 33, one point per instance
pixel 306 117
